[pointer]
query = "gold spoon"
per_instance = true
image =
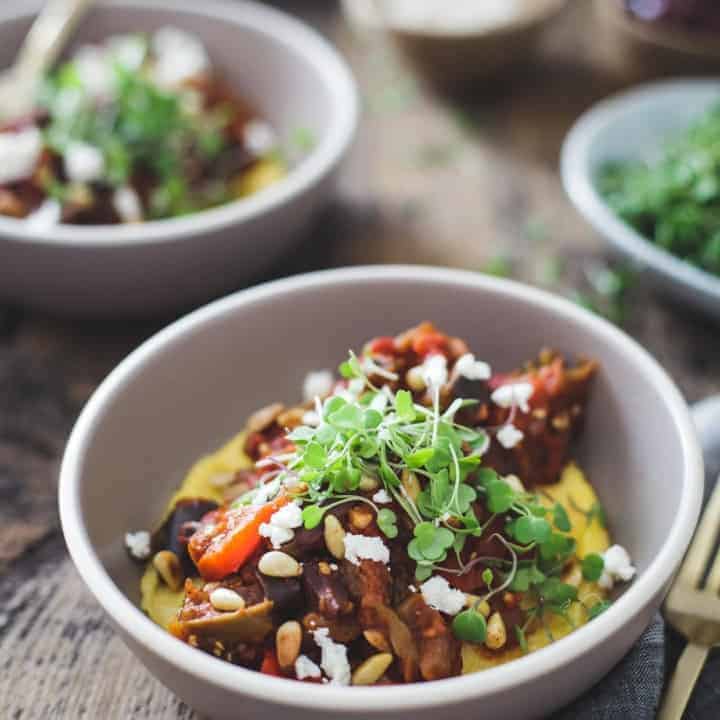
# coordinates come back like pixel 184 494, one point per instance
pixel 40 49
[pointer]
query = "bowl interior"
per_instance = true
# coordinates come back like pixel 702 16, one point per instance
pixel 192 387
pixel 271 60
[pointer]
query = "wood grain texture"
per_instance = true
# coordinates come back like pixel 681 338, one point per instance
pixel 430 182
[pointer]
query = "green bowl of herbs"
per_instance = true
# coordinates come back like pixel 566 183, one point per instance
pixel 644 169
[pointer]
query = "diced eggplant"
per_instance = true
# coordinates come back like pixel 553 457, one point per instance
pixel 179 527
pixel 285 593
pixel 325 591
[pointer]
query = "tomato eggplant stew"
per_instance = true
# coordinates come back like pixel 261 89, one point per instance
pixel 416 518
pixel 139 128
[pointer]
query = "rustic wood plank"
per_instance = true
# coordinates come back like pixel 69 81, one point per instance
pixel 431 182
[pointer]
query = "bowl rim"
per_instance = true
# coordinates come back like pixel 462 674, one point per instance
pixel 156 641
pixel 534 16
pixel 580 187
pixel 279 28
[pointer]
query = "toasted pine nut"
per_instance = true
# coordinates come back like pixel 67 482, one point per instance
pixel 264 417
pixel 368 483
pixel 482 606
pixel 226 600
pixel 377 640
pixel 168 566
pixel 287 642
pixel 370 671
pixel 410 483
pixel 334 534
pixel 496 633
pixel 360 516
pixel 324 568
pixel 414 378
pixel 279 564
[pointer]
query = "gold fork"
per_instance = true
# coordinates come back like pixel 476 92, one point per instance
pixel 693 607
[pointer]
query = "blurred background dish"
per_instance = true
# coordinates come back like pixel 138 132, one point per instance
pixel 634 127
pixel 279 66
pixel 456 45
pixel 670 36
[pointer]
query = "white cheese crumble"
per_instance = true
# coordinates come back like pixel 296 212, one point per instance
pixel 279 529
pixel 509 436
pixel 127 205
pixel 83 162
pixel 618 566
pixel 333 659
pixel 382 497
pixel 265 492
pixel 19 153
pixel 128 51
pixel 259 137
pixel 306 668
pixel 362 547
pixel 179 56
pixel 438 594
pixel 95 73
pixel 434 372
pixel 468 367
pixel 138 544
pixel 318 383
pixel 46 216
pixel 513 394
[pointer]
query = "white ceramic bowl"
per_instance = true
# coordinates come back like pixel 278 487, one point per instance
pixel 632 126
pixel 190 387
pixel 284 68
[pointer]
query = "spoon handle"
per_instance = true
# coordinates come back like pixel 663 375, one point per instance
pixel 47 37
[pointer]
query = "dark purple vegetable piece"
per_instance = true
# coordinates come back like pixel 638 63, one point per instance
pixel 179 527
pixel 325 591
pixel 286 593
pixel 306 543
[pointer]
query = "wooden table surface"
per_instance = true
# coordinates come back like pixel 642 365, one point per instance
pixel 466 185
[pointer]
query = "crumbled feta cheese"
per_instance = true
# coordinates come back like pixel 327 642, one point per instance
pixel 259 137
pixel 94 72
pixel 334 567
pixel 311 418
pixel 513 394
pixel 19 153
pixel 279 529
pixel 509 436
pixel 138 544
pixel 333 658
pixel 434 371
pixel 362 547
pixel 179 56
pixel 438 594
pixel 382 497
pixel 48 215
pixel 128 51
pixel 318 383
pixel 468 367
pixel 265 492
pixel 515 483
pixel 618 566
pixel 306 668
pixel 127 204
pixel 83 162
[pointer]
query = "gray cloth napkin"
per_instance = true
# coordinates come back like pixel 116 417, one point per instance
pixel 632 690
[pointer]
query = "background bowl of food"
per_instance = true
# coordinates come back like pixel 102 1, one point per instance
pixel 638 449
pixel 663 36
pixel 175 152
pixel 457 45
pixel 641 167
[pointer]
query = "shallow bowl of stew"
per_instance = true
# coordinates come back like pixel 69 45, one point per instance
pixel 191 386
pixel 282 69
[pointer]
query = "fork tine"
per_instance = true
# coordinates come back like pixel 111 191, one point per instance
pixel 698 556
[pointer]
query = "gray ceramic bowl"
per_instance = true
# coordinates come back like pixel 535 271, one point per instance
pixel 632 126
pixel 293 76
pixel 191 386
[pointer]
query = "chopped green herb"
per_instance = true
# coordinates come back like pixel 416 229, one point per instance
pixel 592 567
pixel 470 626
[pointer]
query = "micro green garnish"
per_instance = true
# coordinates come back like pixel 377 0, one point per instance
pixel 592 567
pixel 598 608
pixel 367 430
